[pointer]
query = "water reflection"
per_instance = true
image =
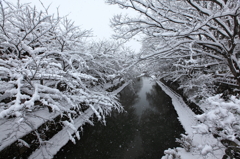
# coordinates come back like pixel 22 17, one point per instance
pixel 149 126
pixel 142 104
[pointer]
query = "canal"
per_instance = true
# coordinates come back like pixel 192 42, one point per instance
pixel 148 126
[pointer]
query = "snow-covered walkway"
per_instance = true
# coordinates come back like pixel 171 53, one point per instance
pixel 52 146
pixel 187 119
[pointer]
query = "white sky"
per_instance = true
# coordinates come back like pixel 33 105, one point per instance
pixel 88 14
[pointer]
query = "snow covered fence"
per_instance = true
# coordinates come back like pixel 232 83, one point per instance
pixel 230 80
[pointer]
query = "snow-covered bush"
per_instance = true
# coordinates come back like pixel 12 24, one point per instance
pixel 197 87
pixel 185 142
pixel 221 119
pixel 171 154
pixel 217 131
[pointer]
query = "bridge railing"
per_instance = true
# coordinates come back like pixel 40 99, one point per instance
pixel 230 80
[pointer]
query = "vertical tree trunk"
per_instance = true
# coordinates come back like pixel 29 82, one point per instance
pixel 234 69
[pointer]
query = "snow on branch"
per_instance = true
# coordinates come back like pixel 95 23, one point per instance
pixel 47 69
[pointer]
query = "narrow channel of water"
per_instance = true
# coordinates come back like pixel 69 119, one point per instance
pixel 147 128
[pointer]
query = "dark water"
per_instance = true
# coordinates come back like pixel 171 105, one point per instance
pixel 147 128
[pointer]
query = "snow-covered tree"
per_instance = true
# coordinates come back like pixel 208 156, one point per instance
pixel 110 58
pixel 201 39
pixel 44 64
pixel 203 36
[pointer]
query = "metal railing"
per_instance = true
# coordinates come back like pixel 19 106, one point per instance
pixel 230 80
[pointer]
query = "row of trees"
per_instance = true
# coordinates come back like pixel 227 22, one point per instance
pixel 192 42
pixel 187 40
pixel 46 62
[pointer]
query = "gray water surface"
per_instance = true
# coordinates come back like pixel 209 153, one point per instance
pixel 147 128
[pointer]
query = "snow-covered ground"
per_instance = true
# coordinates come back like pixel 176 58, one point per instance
pixel 187 118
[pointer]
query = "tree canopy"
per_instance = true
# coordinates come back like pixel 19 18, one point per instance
pixel 199 38
pixel 196 43
pixel 49 69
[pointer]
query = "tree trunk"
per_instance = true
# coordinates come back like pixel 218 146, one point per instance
pixel 234 69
